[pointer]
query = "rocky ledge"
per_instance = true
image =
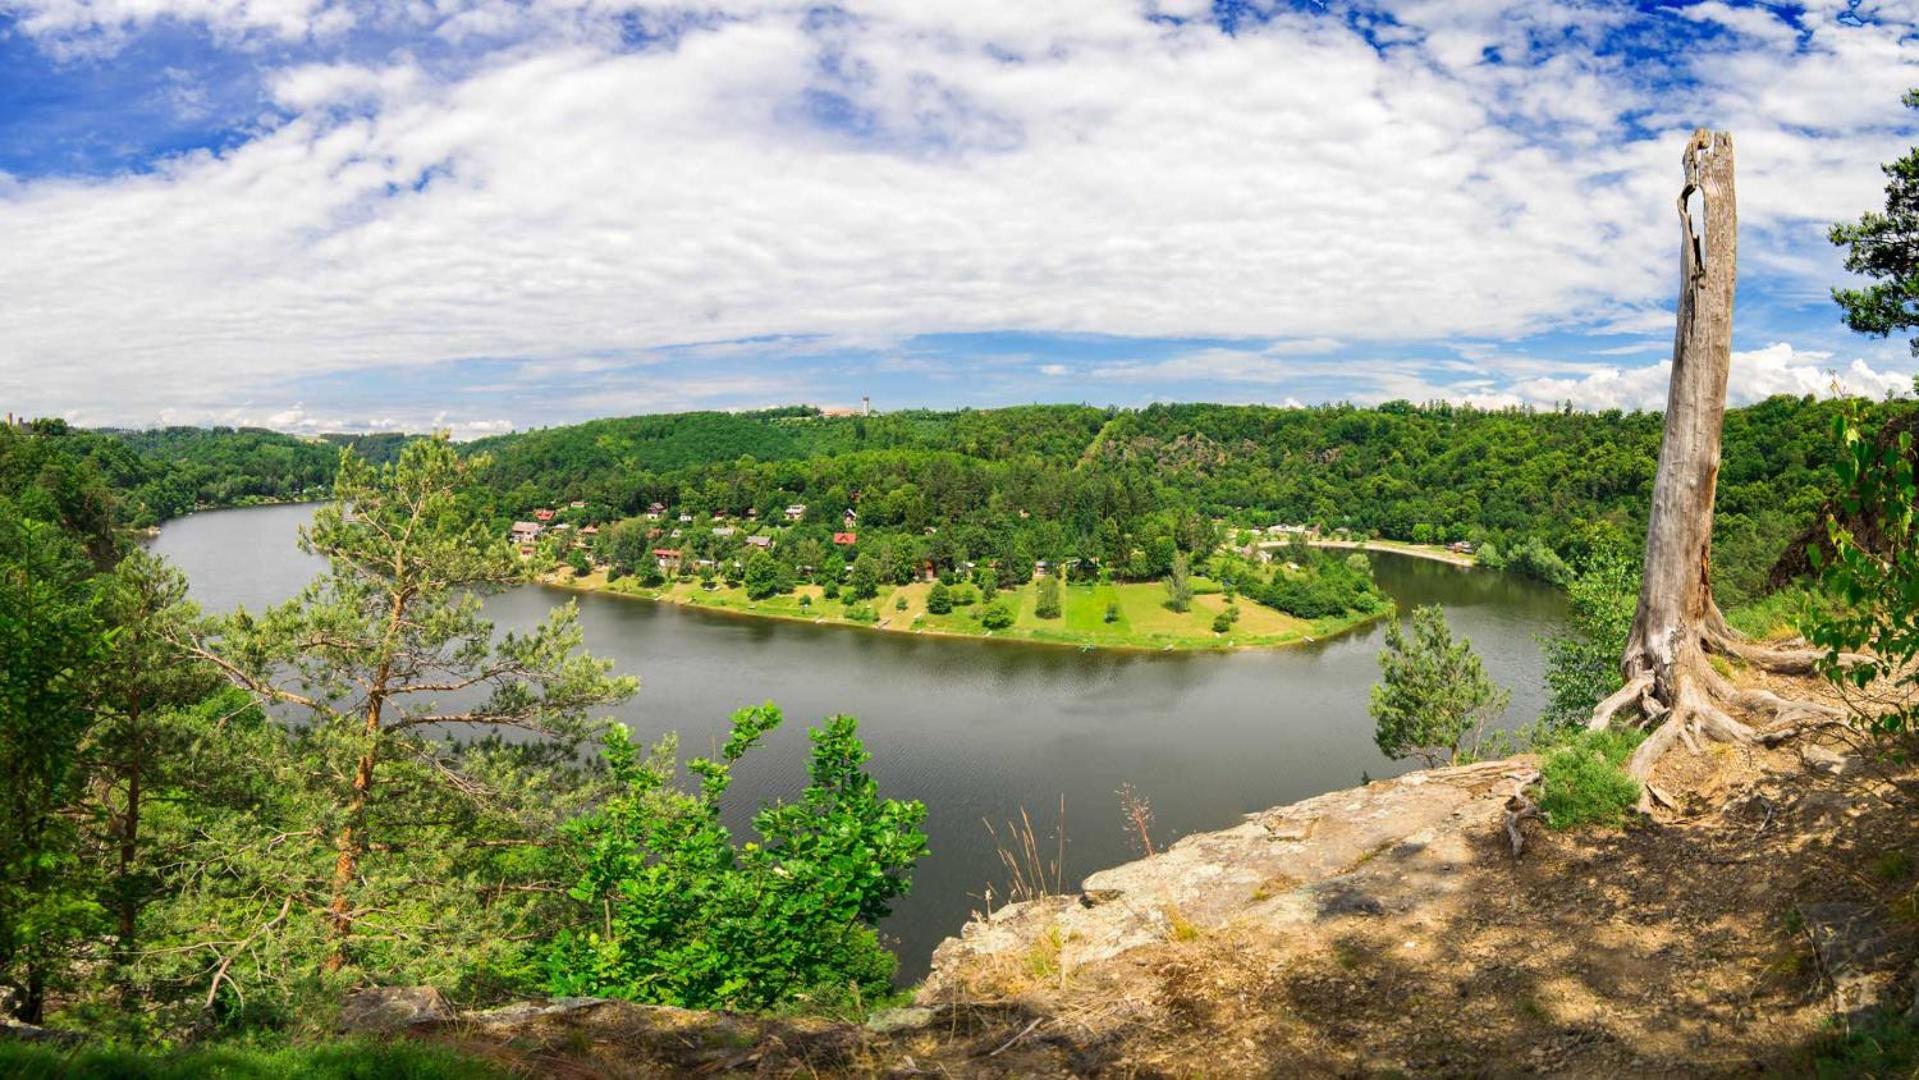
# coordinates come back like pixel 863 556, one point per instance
pixel 1359 851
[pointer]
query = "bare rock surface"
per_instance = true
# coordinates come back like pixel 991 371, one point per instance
pixel 381 1010
pixel 1349 852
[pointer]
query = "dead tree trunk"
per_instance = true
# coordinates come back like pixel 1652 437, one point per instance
pixel 1669 677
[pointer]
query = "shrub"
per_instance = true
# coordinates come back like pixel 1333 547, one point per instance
pixel 1583 781
pixel 997 615
pixel 1433 693
pixel 1112 611
pixel 1222 622
pixel 675 913
pixel 939 599
pixel 899 604
pixel 862 613
pixel 1046 603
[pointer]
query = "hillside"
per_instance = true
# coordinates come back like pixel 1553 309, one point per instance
pixel 1073 481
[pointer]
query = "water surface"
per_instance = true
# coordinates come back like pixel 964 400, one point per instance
pixel 979 729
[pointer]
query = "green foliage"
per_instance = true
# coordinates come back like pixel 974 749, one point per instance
pixel 427 831
pixel 53 639
pixel 1534 558
pixel 864 581
pixel 1311 583
pixel 1046 598
pixel 997 615
pixel 675 912
pixel 939 599
pixel 1582 664
pixel 1179 584
pixel 335 1059
pixel 1876 588
pixel 1583 780
pixel 1222 622
pixel 762 576
pixel 1885 1046
pixel 1112 611
pixel 1433 693
pixel 1880 246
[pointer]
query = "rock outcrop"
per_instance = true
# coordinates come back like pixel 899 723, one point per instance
pixel 1360 851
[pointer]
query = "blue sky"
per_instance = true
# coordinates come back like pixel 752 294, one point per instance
pixel 486 214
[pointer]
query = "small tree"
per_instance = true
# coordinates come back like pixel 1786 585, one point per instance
pixel 864 582
pixel 1112 611
pixel 383 650
pixel 1432 693
pixel 1582 664
pixel 997 615
pixel 939 599
pixel 1179 584
pixel 1046 602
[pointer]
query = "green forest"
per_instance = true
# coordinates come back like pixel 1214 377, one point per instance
pixel 1125 489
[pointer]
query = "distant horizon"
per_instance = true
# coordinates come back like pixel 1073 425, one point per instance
pixel 878 411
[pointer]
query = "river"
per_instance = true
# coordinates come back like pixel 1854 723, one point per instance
pixel 979 729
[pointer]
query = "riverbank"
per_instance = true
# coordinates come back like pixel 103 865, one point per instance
pixel 1433 552
pixel 1102 616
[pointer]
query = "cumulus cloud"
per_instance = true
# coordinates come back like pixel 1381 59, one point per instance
pixel 1397 172
pixel 1756 375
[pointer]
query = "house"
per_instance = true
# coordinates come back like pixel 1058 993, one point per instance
pixel 764 543
pixel 577 504
pixel 752 514
pixel 526 530
pixel 1461 547
pixel 669 559
pixel 851 517
pixel 724 530
pixel 543 515
pixel 845 539
pixel 686 519
pixel 590 530
pixel 655 511
pixel 796 511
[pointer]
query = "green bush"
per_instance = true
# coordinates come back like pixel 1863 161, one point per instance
pixel 673 912
pixel 997 615
pixel 862 613
pixel 939 599
pixel 1583 781
pixel 1046 600
pixel 1222 622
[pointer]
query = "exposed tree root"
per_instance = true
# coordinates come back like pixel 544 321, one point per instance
pixel 1684 700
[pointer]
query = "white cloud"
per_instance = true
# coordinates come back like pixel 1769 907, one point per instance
pixel 1757 374
pixel 561 198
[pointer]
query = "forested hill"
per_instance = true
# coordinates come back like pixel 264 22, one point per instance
pixel 1069 479
pixel 162 473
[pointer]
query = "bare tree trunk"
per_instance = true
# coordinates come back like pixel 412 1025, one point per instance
pixel 1669 676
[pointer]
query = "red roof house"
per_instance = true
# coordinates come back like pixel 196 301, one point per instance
pixel 846 539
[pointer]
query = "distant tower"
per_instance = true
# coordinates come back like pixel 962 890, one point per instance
pixel 866 405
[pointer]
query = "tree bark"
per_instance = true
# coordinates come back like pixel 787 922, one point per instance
pixel 1668 674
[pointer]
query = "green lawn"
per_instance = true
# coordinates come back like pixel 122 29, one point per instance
pixel 1145 621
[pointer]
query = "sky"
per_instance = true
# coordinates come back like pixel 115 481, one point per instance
pixel 485 215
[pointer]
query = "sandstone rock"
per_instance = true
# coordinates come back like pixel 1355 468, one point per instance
pixel 385 1009
pixel 887 1021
